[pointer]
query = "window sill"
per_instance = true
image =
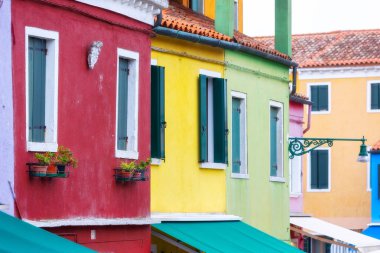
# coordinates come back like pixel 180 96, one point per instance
pixel 214 166
pixel 127 154
pixel 277 179
pixel 239 176
pixel 316 190
pixel 295 195
pixel 320 112
pixel 42 146
pixel 373 110
pixel 156 161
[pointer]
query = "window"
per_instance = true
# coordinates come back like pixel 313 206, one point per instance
pixel 319 94
pixel 276 141
pixel 236 14
pixel 197 6
pixel 41 61
pixel 158 123
pixel 373 104
pixel 127 104
pixel 239 135
pixel 319 169
pixel 296 175
pixel 212 120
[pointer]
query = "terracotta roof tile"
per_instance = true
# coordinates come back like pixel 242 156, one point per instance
pixel 180 18
pixel 340 48
pixel 376 147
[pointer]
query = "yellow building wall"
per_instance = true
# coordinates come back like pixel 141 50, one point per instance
pixel 179 184
pixel 348 202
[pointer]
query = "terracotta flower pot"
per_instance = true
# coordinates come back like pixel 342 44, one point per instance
pixel 51 169
pixel 39 170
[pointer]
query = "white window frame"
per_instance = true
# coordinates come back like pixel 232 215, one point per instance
pixel 309 171
pixel 51 91
pixel 291 190
pixel 328 94
pixel 236 15
pixel 243 136
pixel 280 178
pixel 369 96
pixel 133 102
pixel 210 148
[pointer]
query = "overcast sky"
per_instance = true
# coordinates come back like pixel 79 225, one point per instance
pixel 311 16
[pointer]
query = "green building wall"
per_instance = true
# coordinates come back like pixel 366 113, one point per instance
pixel 262 203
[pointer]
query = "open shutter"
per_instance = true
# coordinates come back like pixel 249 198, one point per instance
pixel 202 118
pixel 236 163
pixel 323 169
pixel 378 181
pixel 273 141
pixel 375 96
pixel 158 123
pixel 323 98
pixel 314 98
pixel 314 169
pixel 220 120
pixel 37 85
pixel 122 137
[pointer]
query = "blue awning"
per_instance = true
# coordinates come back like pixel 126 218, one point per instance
pixel 19 236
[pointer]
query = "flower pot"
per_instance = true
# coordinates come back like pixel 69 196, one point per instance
pixel 51 169
pixel 61 168
pixel 137 175
pixel 38 170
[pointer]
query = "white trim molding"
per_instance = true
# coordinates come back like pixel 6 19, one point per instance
pixel 133 103
pixel 338 72
pixel 141 10
pixel 51 93
pixel 194 217
pixel 92 222
pixel 210 73
pixel 308 178
pixel 213 166
pixel 308 85
pixel 369 91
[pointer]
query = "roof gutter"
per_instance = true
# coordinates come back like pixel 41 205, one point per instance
pixel 221 43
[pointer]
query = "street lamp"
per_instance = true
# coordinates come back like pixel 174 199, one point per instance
pixel 299 146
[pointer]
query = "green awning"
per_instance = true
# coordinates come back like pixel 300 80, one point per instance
pixel 224 236
pixel 19 236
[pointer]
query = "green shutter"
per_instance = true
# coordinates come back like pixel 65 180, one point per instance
pixel 314 169
pixel 236 111
pixel 122 137
pixel 37 86
pixel 375 96
pixel 314 98
pixel 273 140
pixel 323 97
pixel 202 118
pixel 158 123
pixel 323 169
pixel 220 120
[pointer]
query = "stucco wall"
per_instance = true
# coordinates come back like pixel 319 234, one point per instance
pixel 261 203
pixel 179 184
pixel 6 108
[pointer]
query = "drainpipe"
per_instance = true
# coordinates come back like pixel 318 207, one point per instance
pixel 308 119
pixel 158 20
pixel 294 83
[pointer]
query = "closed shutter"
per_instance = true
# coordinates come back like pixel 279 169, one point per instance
pixel 323 169
pixel 273 140
pixel 122 137
pixel 323 98
pixel 314 169
pixel 375 96
pixel 158 123
pixel 202 118
pixel 236 163
pixel 37 86
pixel 314 98
pixel 220 120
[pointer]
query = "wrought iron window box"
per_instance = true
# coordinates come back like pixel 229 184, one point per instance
pixel 121 176
pixel 33 173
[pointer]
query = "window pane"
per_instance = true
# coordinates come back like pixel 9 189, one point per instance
pixel 375 96
pixel 236 112
pixel 122 137
pixel 273 141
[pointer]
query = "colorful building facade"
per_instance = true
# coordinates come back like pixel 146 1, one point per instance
pixel 80 79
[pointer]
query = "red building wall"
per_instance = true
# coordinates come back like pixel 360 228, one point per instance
pixel 86 112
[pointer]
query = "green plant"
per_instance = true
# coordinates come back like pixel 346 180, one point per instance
pixel 143 164
pixel 44 158
pixel 128 167
pixel 64 156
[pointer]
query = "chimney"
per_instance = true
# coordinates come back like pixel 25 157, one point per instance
pixel 283 26
pixel 224 17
